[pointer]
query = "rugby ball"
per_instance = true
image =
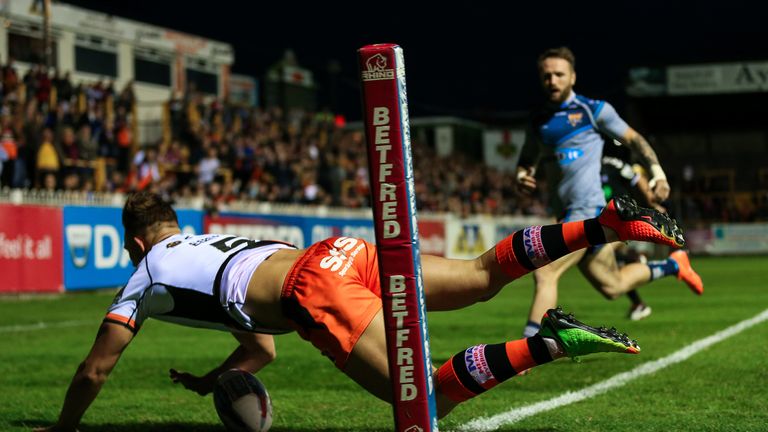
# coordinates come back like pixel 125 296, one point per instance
pixel 242 402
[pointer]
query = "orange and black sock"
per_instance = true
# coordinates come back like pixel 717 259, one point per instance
pixel 482 367
pixel 528 249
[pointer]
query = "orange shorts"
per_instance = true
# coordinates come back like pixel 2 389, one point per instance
pixel 332 293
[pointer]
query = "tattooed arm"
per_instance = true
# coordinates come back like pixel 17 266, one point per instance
pixel 640 146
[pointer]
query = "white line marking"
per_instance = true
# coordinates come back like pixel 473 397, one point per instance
pixel 42 326
pixel 517 414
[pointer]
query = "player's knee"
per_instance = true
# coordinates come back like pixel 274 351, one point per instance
pixel 610 292
pixel 486 293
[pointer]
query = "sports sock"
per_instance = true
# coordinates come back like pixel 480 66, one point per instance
pixel 482 367
pixel 536 246
pixel 634 297
pixel 531 328
pixel 663 268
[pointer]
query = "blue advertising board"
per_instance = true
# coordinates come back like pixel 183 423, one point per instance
pixel 93 245
pixel 300 231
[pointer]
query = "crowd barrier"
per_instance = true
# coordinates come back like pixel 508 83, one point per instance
pixel 73 247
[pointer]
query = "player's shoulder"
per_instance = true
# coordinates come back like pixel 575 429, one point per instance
pixel 180 244
pixel 595 105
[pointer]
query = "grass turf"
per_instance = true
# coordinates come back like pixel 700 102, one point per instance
pixel 719 388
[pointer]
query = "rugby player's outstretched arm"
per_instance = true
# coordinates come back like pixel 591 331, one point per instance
pixel 110 342
pixel 254 352
pixel 640 145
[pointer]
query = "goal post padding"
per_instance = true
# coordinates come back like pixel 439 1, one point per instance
pixel 385 107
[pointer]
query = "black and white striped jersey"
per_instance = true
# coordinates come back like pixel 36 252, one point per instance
pixel 185 280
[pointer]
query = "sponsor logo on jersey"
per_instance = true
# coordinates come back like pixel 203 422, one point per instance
pixel 376 69
pixel 173 244
pixel 575 118
pixel 568 155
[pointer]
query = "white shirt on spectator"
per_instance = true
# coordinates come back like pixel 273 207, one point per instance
pixel 208 168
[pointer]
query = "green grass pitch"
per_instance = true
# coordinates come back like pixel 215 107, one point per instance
pixel 721 388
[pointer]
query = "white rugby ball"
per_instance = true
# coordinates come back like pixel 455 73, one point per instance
pixel 242 402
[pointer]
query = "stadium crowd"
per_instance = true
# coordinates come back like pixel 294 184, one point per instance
pixel 57 135
pixel 227 152
pixel 60 136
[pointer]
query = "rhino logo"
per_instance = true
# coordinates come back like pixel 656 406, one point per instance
pixel 376 63
pixel 376 69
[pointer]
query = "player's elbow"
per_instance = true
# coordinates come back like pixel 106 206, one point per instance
pixel 268 355
pixel 261 357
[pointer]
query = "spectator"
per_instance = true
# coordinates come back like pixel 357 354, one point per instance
pixel 208 167
pixel 147 168
pixel 10 146
pixel 49 182
pixel 64 89
pixel 48 158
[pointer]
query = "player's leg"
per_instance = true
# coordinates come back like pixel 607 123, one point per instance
pixel 481 367
pixel 367 364
pixel 603 272
pixel 626 254
pixel 451 284
pixel 545 289
pixel 638 309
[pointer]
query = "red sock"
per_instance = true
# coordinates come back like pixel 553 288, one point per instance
pixel 528 249
pixel 482 367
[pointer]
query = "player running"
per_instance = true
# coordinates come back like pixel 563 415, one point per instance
pixel 565 137
pixel 256 288
pixel 620 176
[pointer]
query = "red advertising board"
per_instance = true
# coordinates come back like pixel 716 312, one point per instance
pixel 31 249
pixel 432 237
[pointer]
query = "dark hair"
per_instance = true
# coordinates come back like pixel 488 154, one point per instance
pixel 144 209
pixel 562 52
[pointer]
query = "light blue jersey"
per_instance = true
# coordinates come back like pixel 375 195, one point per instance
pixel 565 142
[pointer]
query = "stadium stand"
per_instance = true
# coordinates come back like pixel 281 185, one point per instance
pixel 61 136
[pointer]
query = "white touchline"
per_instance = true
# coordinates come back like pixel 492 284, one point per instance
pixel 517 414
pixel 42 326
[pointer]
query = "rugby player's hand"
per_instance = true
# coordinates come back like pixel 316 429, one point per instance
pixel 526 183
pixel 661 191
pixel 200 385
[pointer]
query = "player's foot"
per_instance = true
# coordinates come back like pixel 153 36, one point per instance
pixel 639 311
pixel 686 273
pixel 577 338
pixel 632 222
